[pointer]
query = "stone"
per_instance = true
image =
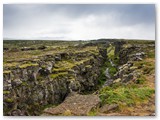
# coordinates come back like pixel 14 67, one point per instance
pixel 117 80
pixel 17 112
pixel 127 78
pixel 34 87
pixel 44 72
pixel 76 104
pixel 108 82
pixel 74 86
pixel 16 82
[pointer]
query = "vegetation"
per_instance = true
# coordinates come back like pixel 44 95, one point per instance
pixel 125 94
pixel 130 94
pixel 9 100
pixel 61 74
pixel 6 92
pixel 28 65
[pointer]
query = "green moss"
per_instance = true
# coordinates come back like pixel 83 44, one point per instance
pixel 94 52
pixel 43 67
pixel 83 61
pixel 87 49
pixel 88 66
pixel 62 69
pixel 9 100
pixel 71 78
pixel 12 64
pixel 63 66
pixel 6 92
pixel 6 72
pixel 53 76
pixel 24 83
pixel 110 51
pixel 28 65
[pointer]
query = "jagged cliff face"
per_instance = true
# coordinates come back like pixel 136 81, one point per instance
pixel 30 86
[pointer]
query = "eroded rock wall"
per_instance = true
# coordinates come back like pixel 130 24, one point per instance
pixel 32 86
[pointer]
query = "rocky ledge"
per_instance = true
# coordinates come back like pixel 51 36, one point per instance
pixel 31 86
pixel 75 104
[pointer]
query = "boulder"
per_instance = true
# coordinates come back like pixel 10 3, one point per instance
pixel 76 105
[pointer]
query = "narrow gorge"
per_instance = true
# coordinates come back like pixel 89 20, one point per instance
pixel 73 79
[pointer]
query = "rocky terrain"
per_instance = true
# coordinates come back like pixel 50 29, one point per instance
pixel 101 77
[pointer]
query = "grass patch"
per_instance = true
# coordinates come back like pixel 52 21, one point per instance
pixel 151 55
pixel 128 94
pixel 147 66
pixel 148 69
pixel 141 80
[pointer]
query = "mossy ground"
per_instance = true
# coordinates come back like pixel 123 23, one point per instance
pixel 131 98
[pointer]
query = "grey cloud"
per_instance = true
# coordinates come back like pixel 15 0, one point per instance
pixel 66 19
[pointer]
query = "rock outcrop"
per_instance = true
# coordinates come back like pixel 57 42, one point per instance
pixel 30 86
pixel 74 104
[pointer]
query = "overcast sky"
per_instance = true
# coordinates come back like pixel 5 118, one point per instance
pixel 78 21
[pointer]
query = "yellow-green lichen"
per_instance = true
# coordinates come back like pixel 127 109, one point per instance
pixel 28 65
pixel 24 83
pixel 53 76
pixel 12 64
pixel 6 72
pixel 9 100
pixel 88 66
pixel 110 51
pixel 63 66
pixel 6 92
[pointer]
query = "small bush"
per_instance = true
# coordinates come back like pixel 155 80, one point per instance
pixel 112 71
